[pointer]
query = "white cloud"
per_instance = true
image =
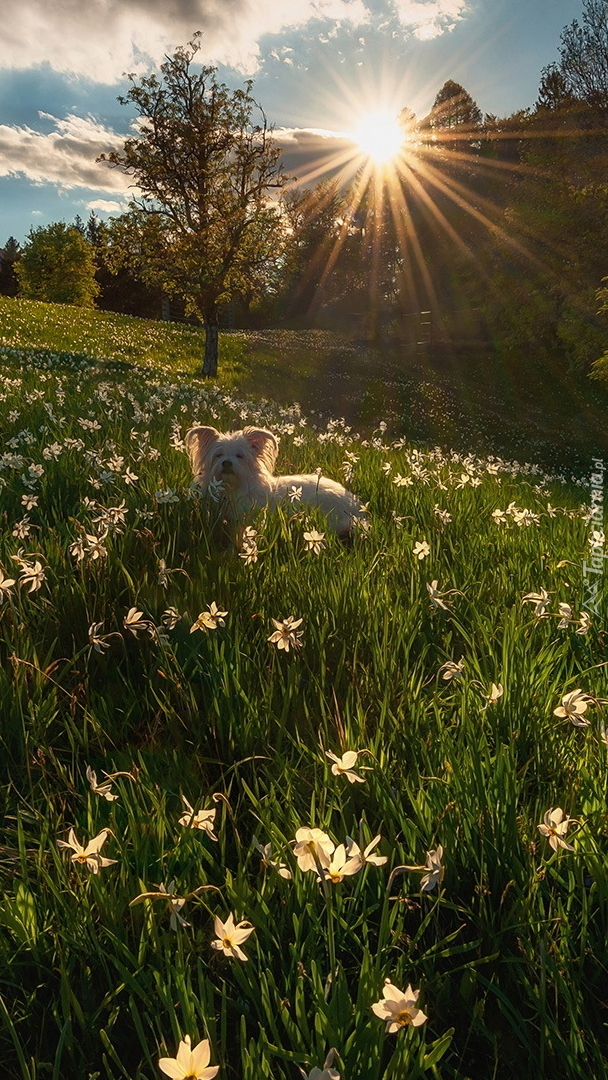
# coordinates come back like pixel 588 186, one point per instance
pixel 287 137
pixel 106 206
pixel 65 156
pixel 430 18
pixel 102 39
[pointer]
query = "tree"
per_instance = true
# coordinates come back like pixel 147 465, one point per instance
pixel 203 168
pixel 313 217
pixel 408 121
pixel 58 265
pixel 9 256
pixel 454 111
pixel 583 53
pixel 121 288
pixel 553 92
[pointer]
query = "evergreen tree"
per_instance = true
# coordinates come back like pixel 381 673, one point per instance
pixel 9 257
pixel 553 92
pixel 454 111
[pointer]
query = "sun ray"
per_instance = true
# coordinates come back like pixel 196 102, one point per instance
pixel 461 197
pixel 355 202
pixel 410 245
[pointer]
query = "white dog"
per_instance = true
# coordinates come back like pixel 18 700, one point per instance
pixel 243 462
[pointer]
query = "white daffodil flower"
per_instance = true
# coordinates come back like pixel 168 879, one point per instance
pixel 344 766
pixel 398 1007
pixel 190 1064
pixel 340 866
pixel 366 856
pixel 435 870
pixel 89 854
pixel 573 707
pixel 230 937
pixel 326 1073
pixel 314 541
pixel 554 826
pixel 313 849
pixel 104 789
pixel 267 861
pixel 540 601
pixel 198 819
pixel 287 635
pixel 209 620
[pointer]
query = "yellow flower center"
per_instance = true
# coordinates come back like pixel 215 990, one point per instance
pixel 227 943
pixel 404 1017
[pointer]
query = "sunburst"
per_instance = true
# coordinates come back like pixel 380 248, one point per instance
pixel 401 178
pixel 379 136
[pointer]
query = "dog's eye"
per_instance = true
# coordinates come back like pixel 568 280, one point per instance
pixel 240 456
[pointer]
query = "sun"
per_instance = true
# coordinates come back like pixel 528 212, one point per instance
pixel 379 136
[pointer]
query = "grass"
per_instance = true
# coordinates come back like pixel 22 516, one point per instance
pixel 260 362
pixel 465 398
pixel 103 336
pixel 508 949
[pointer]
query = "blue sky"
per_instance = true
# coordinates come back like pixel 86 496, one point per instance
pixel 316 64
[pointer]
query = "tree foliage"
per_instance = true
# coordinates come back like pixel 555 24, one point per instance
pixel 454 110
pixel 553 92
pixel 583 52
pixel 313 218
pixel 121 285
pixel 9 256
pixel 203 161
pixel 503 240
pixel 58 265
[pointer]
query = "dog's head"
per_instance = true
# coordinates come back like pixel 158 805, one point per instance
pixel 231 457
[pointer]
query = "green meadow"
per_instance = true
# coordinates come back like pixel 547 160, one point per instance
pixel 344 751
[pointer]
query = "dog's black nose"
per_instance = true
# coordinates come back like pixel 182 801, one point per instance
pixel 227 465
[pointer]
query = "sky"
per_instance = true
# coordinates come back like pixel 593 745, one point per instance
pixel 318 67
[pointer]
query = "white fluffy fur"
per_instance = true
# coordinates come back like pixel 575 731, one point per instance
pixel 244 462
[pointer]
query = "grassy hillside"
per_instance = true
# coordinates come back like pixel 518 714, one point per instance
pixel 135 643
pixel 100 335
pixel 263 362
pixel 464 399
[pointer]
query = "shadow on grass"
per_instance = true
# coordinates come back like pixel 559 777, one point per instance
pixel 466 398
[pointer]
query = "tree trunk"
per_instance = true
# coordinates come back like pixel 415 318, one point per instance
pixel 211 342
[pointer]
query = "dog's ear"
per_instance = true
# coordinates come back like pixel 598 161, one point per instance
pixel 264 444
pixel 198 441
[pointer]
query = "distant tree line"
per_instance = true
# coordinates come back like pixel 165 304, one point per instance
pixel 497 226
